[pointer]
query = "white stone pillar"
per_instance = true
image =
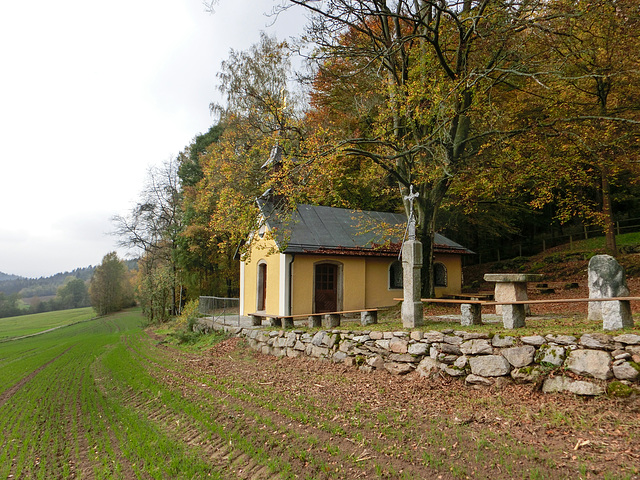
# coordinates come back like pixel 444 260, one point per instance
pixel 412 312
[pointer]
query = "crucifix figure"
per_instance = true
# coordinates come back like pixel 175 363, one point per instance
pixel 412 218
pixel 412 314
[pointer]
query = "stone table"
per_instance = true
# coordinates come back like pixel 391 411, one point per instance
pixel 512 287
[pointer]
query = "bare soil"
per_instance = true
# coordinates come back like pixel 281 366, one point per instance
pixel 330 421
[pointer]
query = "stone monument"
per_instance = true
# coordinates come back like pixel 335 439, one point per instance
pixel 512 287
pixel 412 312
pixel 607 280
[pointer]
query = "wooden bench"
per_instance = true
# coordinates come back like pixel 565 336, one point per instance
pixel 513 316
pixel 315 320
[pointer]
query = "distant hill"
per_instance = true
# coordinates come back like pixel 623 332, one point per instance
pixel 5 277
pixel 46 286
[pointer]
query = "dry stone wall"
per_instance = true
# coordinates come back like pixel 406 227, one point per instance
pixel 581 365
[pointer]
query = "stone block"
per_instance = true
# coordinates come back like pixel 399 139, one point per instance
pixel 476 347
pixel 472 335
pixel 461 362
pixel 606 279
pixel 339 357
pixel 562 339
pixel 535 340
pixel 428 367
pixel 418 348
pixel 502 341
pixel 627 339
pixel 376 361
pixel 594 363
pixel 376 335
pixel 315 321
pixel 452 339
pixel 473 379
pixel 318 338
pixel 415 335
pixel 564 384
pixel 319 351
pixel 275 322
pixel 412 314
pixel 433 336
pixel 471 314
pixel 287 322
pixel 596 340
pixel 396 368
pixel 551 354
pixel 331 320
pixel 452 370
pixel 519 356
pixel 513 316
pixel 402 357
pixel 397 345
pixel 489 365
pixel 449 348
pixel 626 371
pixel 526 375
pixel 616 315
pixel 368 318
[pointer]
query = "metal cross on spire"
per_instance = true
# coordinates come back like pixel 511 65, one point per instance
pixel 412 218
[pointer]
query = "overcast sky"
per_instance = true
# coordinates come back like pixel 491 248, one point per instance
pixel 92 94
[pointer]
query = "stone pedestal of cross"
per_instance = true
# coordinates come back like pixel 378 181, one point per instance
pixel 412 312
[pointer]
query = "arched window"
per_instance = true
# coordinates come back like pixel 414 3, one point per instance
pixel 439 275
pixel 262 287
pixel 395 275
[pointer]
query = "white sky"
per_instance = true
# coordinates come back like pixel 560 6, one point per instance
pixel 91 95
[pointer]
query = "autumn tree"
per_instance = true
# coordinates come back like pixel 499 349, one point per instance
pixel 438 64
pixel 579 110
pixel 260 119
pixel 593 121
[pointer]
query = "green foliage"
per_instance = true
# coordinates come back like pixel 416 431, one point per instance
pixel 73 294
pixel 110 289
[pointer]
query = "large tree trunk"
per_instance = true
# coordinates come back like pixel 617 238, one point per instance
pixel 425 209
pixel 607 210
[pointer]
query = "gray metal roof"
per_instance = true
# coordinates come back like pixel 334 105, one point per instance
pixel 310 228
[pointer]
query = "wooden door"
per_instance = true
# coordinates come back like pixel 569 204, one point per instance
pixel 326 288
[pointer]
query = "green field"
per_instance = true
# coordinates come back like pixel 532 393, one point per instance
pixel 55 418
pixel 105 399
pixel 13 327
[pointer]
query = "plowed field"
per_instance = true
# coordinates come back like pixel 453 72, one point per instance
pixel 106 399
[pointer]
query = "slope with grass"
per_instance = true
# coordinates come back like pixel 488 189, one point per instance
pixel 15 327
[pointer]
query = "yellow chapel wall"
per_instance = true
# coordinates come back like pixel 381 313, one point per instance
pixel 379 293
pixel 263 250
pixel 365 280
pixel 352 274
pixel 453 264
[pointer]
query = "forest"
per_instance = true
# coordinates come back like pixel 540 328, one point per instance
pixel 515 121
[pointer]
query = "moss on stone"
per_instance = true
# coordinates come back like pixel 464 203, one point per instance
pixel 619 390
